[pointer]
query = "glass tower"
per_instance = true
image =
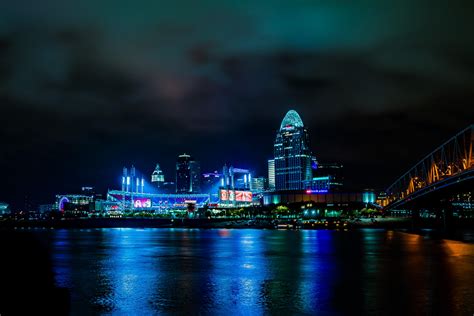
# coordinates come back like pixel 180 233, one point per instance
pixel 188 175
pixel 292 154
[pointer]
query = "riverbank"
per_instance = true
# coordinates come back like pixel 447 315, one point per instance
pixel 207 223
pixel 427 230
pixel 264 223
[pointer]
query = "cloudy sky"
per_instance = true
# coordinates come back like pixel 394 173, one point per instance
pixel 89 86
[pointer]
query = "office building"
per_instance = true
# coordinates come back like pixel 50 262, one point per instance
pixel 271 174
pixel 157 177
pixel 188 175
pixel 259 184
pixel 292 155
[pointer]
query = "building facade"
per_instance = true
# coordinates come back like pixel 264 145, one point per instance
pixel 188 175
pixel 292 155
pixel 236 178
pixel 271 174
pixel 259 184
pixel 157 177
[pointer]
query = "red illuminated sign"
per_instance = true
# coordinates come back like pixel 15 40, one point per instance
pixel 239 196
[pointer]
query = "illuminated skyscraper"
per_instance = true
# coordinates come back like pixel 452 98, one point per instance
pixel 188 175
pixel 157 177
pixel 271 174
pixel 195 172
pixel 292 154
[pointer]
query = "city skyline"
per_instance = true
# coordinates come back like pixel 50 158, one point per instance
pixel 271 157
pixel 85 92
pixel 169 173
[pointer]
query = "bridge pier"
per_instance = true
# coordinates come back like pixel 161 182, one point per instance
pixel 444 218
pixel 415 220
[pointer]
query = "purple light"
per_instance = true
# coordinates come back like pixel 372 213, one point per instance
pixel 61 203
pixel 316 191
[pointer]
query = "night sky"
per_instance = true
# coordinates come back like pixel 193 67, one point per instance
pixel 87 87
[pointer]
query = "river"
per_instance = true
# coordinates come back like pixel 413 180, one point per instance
pixel 251 272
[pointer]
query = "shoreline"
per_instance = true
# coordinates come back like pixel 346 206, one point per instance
pixel 460 233
pixel 388 222
pixel 201 223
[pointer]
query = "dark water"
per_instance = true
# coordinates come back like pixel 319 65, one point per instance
pixel 252 272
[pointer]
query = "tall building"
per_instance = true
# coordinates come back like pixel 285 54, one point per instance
pixel 188 175
pixel 271 174
pixel 259 184
pixel 292 154
pixel 195 172
pixel 157 177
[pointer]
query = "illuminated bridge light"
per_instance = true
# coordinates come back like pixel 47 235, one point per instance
pixel 448 164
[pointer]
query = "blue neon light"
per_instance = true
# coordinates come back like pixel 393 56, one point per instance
pixel 317 191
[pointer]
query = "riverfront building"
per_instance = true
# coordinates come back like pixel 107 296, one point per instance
pixel 292 155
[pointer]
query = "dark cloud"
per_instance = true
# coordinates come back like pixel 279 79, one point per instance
pixel 86 87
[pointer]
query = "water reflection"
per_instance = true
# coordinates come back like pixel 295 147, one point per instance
pixel 148 271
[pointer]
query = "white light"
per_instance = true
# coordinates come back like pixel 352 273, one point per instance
pixel 143 182
pixel 128 180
